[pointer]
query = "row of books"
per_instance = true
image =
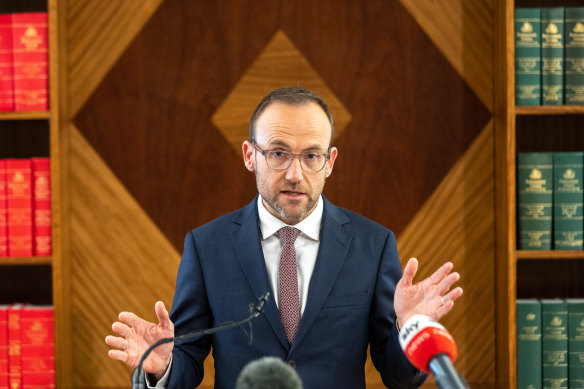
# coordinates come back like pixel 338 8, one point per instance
pixel 25 207
pixel 24 62
pixel 550 343
pixel 550 201
pixel 549 56
pixel 27 347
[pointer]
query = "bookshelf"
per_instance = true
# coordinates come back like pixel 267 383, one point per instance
pixel 522 273
pixel 37 279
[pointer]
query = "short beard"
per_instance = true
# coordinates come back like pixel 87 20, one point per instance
pixel 289 218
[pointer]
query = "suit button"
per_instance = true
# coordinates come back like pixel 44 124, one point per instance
pixel 292 363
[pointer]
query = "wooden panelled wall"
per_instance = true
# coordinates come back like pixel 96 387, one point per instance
pixel 156 98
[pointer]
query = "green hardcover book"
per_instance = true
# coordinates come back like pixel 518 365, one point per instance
pixel 568 201
pixel 552 55
pixel 554 315
pixel 527 56
pixel 529 363
pixel 574 53
pixel 534 200
pixel 576 343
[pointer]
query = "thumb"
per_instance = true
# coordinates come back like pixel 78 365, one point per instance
pixel 410 271
pixel 162 314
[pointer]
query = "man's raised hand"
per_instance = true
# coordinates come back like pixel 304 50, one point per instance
pixel 137 334
pixel 431 296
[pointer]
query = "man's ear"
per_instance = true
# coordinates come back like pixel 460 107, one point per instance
pixel 331 162
pixel 248 155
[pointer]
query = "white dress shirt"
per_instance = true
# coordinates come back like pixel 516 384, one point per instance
pixel 306 246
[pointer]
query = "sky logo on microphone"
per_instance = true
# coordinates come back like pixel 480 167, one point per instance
pixel 422 338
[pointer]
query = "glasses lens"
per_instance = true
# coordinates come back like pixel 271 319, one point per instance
pixel 313 162
pixel 278 159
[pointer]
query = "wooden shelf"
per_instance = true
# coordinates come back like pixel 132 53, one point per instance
pixel 19 261
pixel 549 110
pixel 35 115
pixel 550 254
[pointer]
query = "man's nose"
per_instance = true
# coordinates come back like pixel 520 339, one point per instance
pixel 294 172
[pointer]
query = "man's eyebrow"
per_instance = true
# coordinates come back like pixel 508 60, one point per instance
pixel 311 148
pixel 279 143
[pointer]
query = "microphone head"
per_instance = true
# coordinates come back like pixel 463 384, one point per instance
pixel 268 373
pixel 422 338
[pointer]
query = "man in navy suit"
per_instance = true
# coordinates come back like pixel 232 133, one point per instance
pixel 347 292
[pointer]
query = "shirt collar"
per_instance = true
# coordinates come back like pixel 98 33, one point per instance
pixel 310 226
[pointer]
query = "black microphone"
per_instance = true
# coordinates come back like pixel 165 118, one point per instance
pixel 255 311
pixel 268 373
pixel 431 348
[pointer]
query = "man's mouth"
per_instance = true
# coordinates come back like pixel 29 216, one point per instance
pixel 292 194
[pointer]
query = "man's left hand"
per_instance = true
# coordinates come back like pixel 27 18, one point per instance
pixel 431 297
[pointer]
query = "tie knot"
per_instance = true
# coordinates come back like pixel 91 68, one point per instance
pixel 289 234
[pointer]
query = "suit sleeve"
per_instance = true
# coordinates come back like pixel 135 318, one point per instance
pixel 190 312
pixel 389 359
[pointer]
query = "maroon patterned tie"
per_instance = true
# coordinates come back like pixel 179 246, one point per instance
pixel 288 279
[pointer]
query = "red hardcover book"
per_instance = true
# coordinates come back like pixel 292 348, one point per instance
pixel 14 349
pixel 6 64
pixel 3 346
pixel 3 211
pixel 41 195
pixel 38 347
pixel 31 61
pixel 19 200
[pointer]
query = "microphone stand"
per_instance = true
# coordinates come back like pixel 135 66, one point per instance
pixel 255 311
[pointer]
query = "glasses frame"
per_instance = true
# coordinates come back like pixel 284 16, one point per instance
pixel 299 156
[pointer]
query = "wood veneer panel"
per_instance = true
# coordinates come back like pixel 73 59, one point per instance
pixel 119 261
pixel 98 32
pixel 463 31
pixel 457 224
pixel 412 114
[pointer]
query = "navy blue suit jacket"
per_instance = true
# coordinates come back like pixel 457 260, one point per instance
pixel 350 304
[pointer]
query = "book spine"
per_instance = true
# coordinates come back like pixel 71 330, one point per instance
pixel 3 211
pixel 574 51
pixel 4 347
pixel 527 56
pixel 19 197
pixel 555 344
pixel 6 64
pixel 31 61
pixel 14 348
pixel 529 362
pixel 41 170
pixel 38 348
pixel 552 54
pixel 568 201
pixel 576 343
pixel 535 200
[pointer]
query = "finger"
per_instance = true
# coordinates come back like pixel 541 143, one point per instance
pixel 441 272
pixel 410 271
pixel 130 319
pixel 122 329
pixel 118 354
pixel 453 294
pixel 443 309
pixel 162 315
pixel 115 341
pixel 447 282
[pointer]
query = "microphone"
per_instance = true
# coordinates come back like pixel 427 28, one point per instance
pixel 254 312
pixel 268 373
pixel 431 348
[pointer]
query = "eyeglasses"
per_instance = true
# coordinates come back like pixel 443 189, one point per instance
pixel 281 160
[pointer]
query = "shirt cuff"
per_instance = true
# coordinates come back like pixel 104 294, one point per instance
pixel 161 384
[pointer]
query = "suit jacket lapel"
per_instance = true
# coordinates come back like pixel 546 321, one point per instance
pixel 334 245
pixel 246 239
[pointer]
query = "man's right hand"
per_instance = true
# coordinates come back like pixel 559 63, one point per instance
pixel 137 335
